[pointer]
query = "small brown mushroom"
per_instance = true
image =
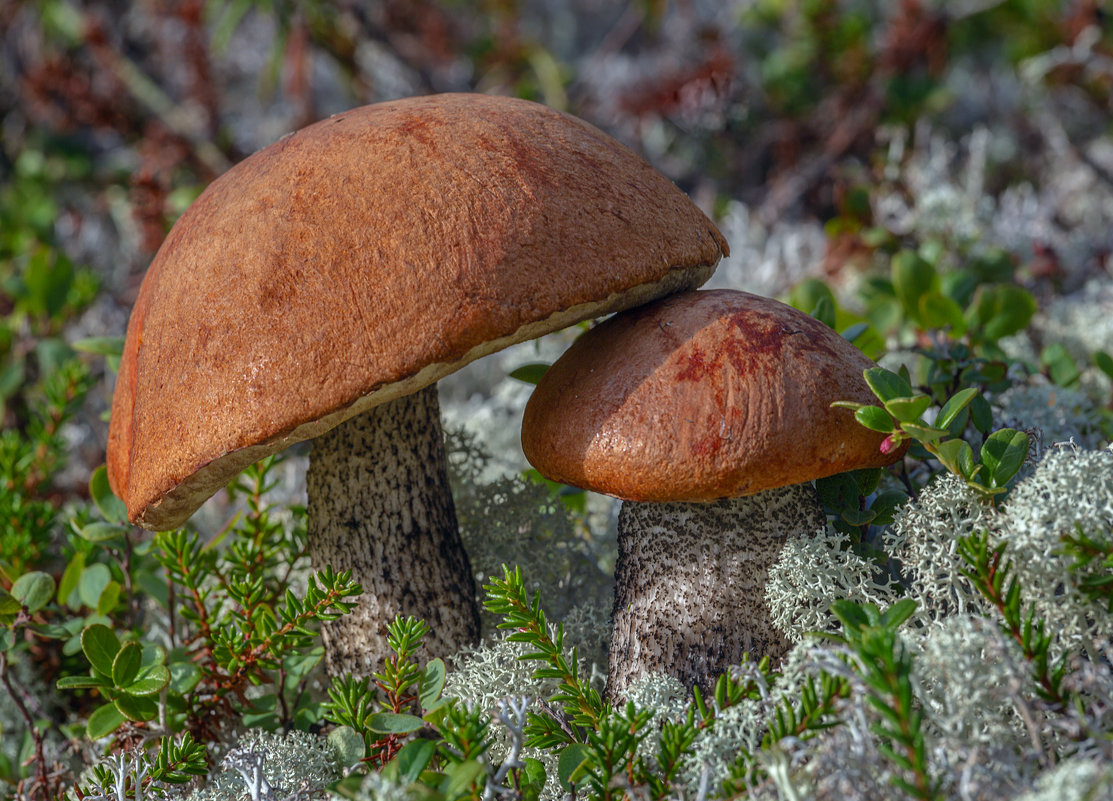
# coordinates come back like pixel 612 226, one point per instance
pixel 320 288
pixel 709 413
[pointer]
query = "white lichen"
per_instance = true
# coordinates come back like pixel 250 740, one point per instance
pixel 923 538
pixel 264 765
pixel 813 571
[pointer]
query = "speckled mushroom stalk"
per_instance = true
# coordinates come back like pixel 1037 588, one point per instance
pixel 674 407
pixel 380 505
pixel 321 281
pixel 690 583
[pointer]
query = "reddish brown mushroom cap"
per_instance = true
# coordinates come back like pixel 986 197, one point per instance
pixel 366 256
pixel 699 396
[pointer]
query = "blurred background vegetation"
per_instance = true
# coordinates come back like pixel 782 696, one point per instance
pixel 836 142
pixel 818 132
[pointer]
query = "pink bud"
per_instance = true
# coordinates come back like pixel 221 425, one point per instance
pixel 889 443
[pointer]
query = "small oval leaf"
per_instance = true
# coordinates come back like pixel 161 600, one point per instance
pixel 100 646
pixel 78 682
pixel 125 667
pixel 110 506
pixel 414 758
pixel 529 373
pixel 432 682
pixel 955 404
pixel 349 747
pixel 394 723
pixel 150 682
pixel 104 720
pixel 100 531
pixel 33 590
pixel 1003 453
pixel 875 419
pixel 886 384
pixel 137 708
pixel 570 766
pixel 908 410
pixel 184 676
pixel 94 580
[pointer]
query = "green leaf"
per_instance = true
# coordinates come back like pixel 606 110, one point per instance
pixel 824 311
pixel 414 758
pixel 110 506
pixel 955 404
pixel 350 747
pixel 109 598
pixel 9 608
pixel 852 332
pixel 100 531
pixel 885 505
pixel 125 667
pixel 1001 310
pixel 923 433
pixel 810 293
pixel 100 646
pixel 33 590
pixel 532 778
pixel 1104 362
pixel 1061 367
pixel 151 682
pixel 875 419
pixel 394 723
pixel 48 276
pixel 458 778
pixel 94 581
pixel 908 410
pixel 137 708
pixel 104 720
pixel 67 587
pixel 981 414
pixel 101 346
pixel 432 683
pixel 898 613
pixel 571 767
pixel 1003 453
pixel 937 311
pixel 184 676
pixel 913 277
pixel 957 456
pixel 857 517
pixel 886 384
pixel 153 654
pixel 529 373
pixel 80 682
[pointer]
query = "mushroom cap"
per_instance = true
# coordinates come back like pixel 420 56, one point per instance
pixel 364 257
pixel 700 396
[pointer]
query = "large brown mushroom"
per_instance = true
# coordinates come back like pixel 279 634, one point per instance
pixel 710 414
pixel 320 288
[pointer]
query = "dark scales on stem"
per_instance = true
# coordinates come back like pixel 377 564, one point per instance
pixel 380 506
pixel 690 597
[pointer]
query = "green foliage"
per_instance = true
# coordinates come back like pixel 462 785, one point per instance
pixel 901 417
pixel 142 774
pixel 581 704
pixel 885 665
pixel 1092 559
pixel 404 692
pixel 990 574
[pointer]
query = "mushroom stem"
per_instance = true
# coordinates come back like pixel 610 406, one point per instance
pixel 690 595
pixel 380 506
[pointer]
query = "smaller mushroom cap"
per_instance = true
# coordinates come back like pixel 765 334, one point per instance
pixel 700 396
